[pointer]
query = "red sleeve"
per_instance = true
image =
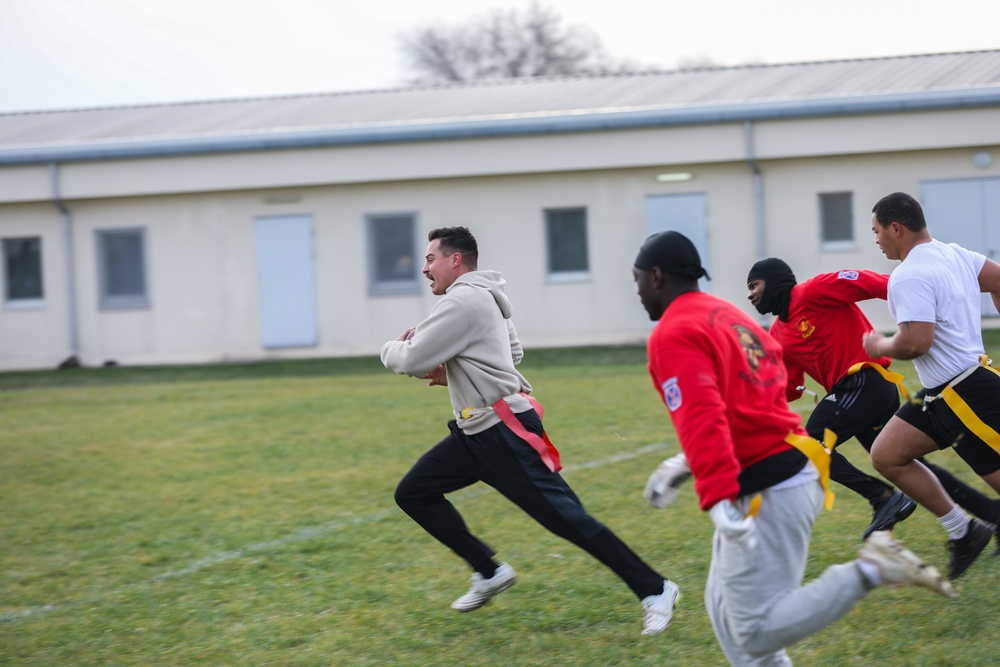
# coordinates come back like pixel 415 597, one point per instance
pixel 686 375
pixel 796 379
pixel 796 375
pixel 847 286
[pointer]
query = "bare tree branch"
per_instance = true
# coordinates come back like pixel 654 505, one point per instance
pixel 506 44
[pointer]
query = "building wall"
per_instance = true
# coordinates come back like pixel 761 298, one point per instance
pixel 37 336
pixel 199 215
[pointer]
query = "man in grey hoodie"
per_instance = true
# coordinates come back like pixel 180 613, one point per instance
pixel 469 344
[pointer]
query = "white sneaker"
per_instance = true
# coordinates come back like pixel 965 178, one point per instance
pixel 658 610
pixel 901 567
pixel 483 590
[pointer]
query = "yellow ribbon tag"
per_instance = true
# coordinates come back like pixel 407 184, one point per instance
pixel 820 457
pixel 889 376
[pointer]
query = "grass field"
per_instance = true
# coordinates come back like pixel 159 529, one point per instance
pixel 243 515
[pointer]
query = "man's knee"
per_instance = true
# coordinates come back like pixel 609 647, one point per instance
pixel 883 458
pixel 756 643
pixel 404 494
pixel 898 444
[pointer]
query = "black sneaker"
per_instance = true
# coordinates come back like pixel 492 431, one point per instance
pixel 996 535
pixel 894 509
pixel 965 550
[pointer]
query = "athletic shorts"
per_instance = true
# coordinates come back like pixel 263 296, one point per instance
pixel 981 391
pixel 858 405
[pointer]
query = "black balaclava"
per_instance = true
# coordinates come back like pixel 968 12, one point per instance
pixel 778 283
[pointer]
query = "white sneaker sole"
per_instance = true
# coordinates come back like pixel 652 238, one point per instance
pixel 477 600
pixel 882 550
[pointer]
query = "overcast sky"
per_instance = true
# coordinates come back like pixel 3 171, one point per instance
pixel 81 53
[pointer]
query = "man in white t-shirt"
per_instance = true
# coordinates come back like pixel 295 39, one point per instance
pixel 934 297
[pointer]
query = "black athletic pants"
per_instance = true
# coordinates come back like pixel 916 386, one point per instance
pixel 859 405
pixel 856 407
pixel 508 464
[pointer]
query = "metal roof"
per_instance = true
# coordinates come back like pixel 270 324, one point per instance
pixel 507 106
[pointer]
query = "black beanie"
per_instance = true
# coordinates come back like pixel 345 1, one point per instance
pixel 672 253
pixel 778 283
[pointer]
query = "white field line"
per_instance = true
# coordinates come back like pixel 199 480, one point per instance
pixel 312 533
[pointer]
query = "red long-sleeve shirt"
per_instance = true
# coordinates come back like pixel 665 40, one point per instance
pixel 723 380
pixel 822 335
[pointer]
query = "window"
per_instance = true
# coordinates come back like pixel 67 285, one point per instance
pixel 566 235
pixel 121 263
pixel 22 271
pixel 394 263
pixel 836 211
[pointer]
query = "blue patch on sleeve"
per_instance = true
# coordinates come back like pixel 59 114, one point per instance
pixel 672 394
pixel 848 275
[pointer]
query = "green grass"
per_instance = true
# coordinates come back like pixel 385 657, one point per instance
pixel 243 515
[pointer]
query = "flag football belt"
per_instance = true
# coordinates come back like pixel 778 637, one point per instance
pixel 542 445
pixel 966 414
pixel 819 454
pixel 888 375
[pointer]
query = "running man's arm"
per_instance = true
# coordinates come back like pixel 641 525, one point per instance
pixel 796 379
pixel 989 281
pixel 516 351
pixel 420 350
pixel 844 287
pixel 910 341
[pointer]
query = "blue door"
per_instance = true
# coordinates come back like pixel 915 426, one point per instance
pixel 286 281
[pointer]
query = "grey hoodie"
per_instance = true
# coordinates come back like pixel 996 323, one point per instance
pixel 470 332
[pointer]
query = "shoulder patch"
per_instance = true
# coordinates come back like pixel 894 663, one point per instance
pixel 672 394
pixel 848 275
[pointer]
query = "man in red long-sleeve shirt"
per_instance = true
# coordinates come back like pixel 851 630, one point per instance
pixel 756 471
pixel 818 326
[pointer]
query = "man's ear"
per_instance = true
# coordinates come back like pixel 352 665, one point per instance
pixel 656 276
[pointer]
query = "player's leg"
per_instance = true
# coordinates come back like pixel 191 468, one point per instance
pixel 518 473
pixel 754 595
pixel 421 493
pixel 858 406
pixel 906 438
pixel 976 503
pixel 894 454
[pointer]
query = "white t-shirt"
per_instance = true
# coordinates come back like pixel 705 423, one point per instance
pixel 939 283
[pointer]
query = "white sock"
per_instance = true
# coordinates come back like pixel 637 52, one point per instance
pixel 956 522
pixel 871 572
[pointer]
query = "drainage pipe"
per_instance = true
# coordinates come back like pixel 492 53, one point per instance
pixel 758 191
pixel 73 360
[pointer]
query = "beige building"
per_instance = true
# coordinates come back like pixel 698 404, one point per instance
pixel 295 226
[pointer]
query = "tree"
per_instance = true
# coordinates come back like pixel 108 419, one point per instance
pixel 506 44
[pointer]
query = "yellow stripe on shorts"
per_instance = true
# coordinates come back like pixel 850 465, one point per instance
pixel 970 419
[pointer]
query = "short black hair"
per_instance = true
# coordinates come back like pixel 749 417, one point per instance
pixel 457 239
pixel 902 208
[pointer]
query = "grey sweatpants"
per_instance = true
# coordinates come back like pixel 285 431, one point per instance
pixel 754 595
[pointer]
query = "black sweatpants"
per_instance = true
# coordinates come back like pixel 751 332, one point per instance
pixel 508 464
